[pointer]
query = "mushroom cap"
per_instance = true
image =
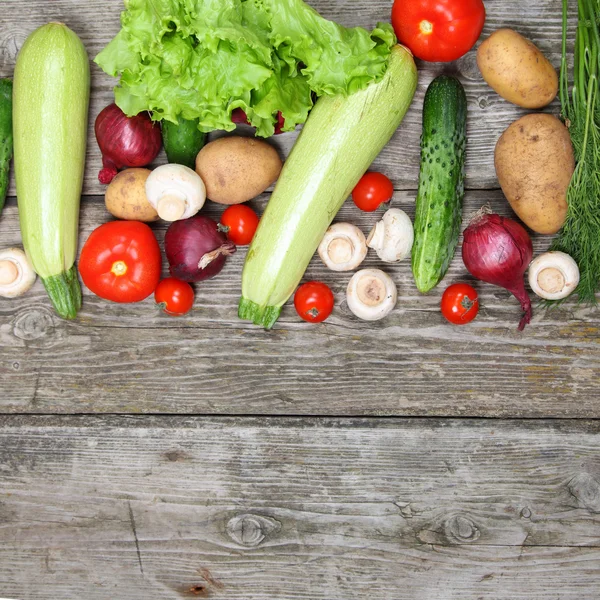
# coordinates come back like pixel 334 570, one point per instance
pixel 392 238
pixel 16 273
pixel 343 247
pixel 553 275
pixel 371 294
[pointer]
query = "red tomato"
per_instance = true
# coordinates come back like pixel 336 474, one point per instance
pixel 239 223
pixel 314 301
pixel 373 190
pixel 175 297
pixel 438 30
pixel 121 261
pixel 460 304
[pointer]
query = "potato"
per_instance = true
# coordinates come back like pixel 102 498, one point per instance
pixel 516 69
pixel 237 169
pixel 126 196
pixel 534 164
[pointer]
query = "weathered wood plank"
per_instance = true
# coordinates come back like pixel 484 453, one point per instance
pixel 97 22
pixel 171 508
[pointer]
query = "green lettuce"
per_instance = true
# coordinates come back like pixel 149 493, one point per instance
pixel 202 59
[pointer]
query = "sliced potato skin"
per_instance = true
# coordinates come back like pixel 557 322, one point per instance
pixel 534 163
pixel 516 69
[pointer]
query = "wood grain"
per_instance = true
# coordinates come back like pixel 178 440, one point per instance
pixel 132 508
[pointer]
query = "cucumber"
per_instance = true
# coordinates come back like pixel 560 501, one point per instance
pixel 182 141
pixel 340 140
pixel 6 136
pixel 441 181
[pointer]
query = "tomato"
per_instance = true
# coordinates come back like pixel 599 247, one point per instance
pixel 239 222
pixel 438 30
pixel 314 301
pixel 121 261
pixel 460 304
pixel 174 296
pixel 373 190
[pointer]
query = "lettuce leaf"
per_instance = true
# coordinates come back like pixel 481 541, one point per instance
pixel 201 59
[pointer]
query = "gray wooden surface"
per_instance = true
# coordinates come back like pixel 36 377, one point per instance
pixel 131 466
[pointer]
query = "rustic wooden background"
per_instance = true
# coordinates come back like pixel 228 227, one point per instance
pixel 143 456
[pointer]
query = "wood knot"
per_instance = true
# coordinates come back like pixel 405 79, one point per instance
pixel 251 530
pixel 460 529
pixel 33 324
pixel 586 490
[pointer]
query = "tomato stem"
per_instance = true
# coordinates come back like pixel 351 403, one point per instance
pixel 119 268
pixel 426 26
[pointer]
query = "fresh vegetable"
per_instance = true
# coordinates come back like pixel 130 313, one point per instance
pixel 196 249
pixel 498 251
pixel 438 30
pixel 517 70
pixel 338 143
pixel 553 275
pixel 534 164
pixel 392 237
pixel 343 247
pixel 121 261
pixel 314 301
pixel 460 303
pixel 371 294
pixel 175 191
pixel 239 222
pixel 175 297
pixel 372 190
pixel 236 169
pixel 16 274
pixel 239 116
pixel 125 141
pixel 125 196
pixel 441 181
pixel 182 141
pixel 202 59
pixel 50 108
pixel 580 234
pixel 6 136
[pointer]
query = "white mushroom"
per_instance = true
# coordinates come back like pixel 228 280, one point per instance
pixel 343 247
pixel 175 191
pixel 16 274
pixel 392 237
pixel 371 294
pixel 553 275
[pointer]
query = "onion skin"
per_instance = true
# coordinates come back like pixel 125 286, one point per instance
pixel 125 141
pixel 498 250
pixel 195 241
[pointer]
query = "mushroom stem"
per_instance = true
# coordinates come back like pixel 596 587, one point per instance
pixel 551 280
pixel 370 290
pixel 16 274
pixel 171 207
pixel 340 250
pixel 9 273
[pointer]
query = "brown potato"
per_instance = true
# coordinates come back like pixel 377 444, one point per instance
pixel 516 69
pixel 237 169
pixel 534 164
pixel 126 196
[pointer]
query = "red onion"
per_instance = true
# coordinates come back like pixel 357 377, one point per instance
pixel 498 251
pixel 125 141
pixel 196 249
pixel 239 116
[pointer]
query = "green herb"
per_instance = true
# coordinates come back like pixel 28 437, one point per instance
pixel 580 235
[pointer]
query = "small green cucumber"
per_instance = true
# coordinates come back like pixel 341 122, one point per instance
pixel 441 181
pixel 6 136
pixel 182 141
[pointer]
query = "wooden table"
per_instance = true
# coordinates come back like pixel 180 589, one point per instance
pixel 143 457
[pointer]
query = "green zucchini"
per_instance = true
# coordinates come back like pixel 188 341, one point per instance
pixel 6 137
pixel 182 141
pixel 441 181
pixel 50 109
pixel 340 140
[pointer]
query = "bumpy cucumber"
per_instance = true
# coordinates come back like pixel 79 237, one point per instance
pixel 6 136
pixel 182 142
pixel 441 181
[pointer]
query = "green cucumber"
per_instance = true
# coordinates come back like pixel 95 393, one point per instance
pixel 441 181
pixel 6 136
pixel 182 141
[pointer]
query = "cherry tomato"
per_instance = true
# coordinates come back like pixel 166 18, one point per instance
pixel 438 30
pixel 121 261
pixel 373 190
pixel 240 223
pixel 460 304
pixel 175 297
pixel 314 301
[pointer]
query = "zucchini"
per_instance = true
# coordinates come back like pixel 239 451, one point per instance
pixel 50 108
pixel 6 137
pixel 182 141
pixel 340 140
pixel 441 181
